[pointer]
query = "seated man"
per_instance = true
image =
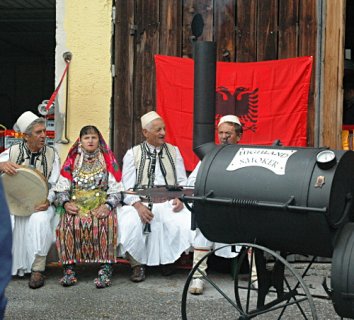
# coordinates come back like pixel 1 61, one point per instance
pixel 229 132
pixel 153 163
pixel 32 235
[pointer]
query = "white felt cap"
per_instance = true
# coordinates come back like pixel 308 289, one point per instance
pixel 148 117
pixel 24 121
pixel 229 118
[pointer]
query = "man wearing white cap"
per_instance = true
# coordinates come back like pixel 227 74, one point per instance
pixel 153 163
pixel 32 235
pixel 229 132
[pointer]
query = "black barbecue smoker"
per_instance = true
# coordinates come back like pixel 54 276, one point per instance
pixel 275 200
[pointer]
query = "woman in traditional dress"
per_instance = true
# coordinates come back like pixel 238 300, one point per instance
pixel 88 191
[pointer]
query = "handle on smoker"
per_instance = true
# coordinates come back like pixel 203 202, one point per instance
pixel 255 203
pixel 346 212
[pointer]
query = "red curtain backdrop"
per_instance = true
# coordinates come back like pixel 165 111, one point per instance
pixel 269 97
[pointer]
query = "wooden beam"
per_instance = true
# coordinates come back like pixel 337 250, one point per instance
pixel 170 28
pixel 332 108
pixel 246 34
pixel 267 24
pixel 308 17
pixel 288 29
pixel 224 29
pixel 123 109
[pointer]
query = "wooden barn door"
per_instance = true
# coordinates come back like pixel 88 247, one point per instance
pixel 245 31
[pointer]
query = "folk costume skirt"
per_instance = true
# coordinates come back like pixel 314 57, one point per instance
pixel 87 239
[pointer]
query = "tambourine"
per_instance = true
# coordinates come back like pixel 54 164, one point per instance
pixel 24 190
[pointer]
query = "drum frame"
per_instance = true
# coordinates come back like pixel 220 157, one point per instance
pixel 40 178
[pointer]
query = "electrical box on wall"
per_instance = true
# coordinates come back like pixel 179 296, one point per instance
pixel 10 137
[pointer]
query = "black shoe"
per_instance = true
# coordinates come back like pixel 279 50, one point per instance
pixel 37 280
pixel 138 273
pixel 168 269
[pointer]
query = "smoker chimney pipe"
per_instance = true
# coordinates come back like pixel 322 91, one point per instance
pixel 204 97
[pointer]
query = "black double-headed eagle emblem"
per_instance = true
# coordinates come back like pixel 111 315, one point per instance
pixel 243 102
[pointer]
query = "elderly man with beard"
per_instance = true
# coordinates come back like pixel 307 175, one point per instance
pixel 153 163
pixel 32 235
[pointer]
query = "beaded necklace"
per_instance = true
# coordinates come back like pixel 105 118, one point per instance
pixel 91 172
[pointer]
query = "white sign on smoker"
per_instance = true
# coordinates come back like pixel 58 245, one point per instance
pixel 272 159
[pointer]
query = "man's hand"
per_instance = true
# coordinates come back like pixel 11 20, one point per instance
pixel 71 208
pixel 144 213
pixel 42 207
pixel 177 205
pixel 101 212
pixel 9 167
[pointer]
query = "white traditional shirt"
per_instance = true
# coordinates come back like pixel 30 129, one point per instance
pixel 193 176
pixel 129 172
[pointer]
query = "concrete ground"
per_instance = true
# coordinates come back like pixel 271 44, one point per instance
pixel 157 298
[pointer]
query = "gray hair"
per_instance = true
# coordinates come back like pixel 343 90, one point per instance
pixel 29 129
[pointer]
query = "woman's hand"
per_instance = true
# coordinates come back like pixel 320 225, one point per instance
pixel 101 212
pixel 71 208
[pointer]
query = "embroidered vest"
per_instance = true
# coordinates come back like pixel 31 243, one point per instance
pixel 43 162
pixel 166 158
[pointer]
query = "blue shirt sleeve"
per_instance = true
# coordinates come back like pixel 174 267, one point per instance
pixel 5 250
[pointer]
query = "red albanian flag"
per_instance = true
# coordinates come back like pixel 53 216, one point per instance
pixel 269 97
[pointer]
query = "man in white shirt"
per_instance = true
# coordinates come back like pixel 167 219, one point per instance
pixel 32 235
pixel 229 132
pixel 153 163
